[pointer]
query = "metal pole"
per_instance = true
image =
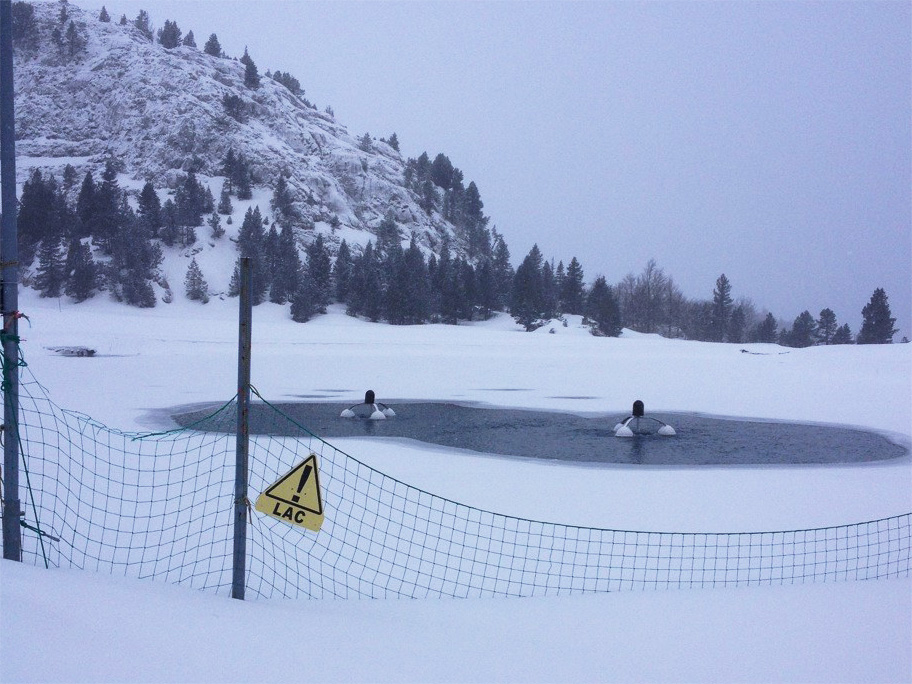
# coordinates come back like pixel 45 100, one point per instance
pixel 9 292
pixel 243 433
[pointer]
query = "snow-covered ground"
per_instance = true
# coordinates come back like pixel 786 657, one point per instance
pixel 67 625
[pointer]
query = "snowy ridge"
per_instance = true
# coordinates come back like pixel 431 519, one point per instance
pixel 155 110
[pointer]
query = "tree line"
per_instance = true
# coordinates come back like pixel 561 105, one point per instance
pixel 99 242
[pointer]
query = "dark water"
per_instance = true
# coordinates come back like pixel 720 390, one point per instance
pixel 567 437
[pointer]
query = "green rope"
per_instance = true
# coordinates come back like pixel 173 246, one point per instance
pixel 285 415
pixel 5 387
pixel 38 530
pixel 183 428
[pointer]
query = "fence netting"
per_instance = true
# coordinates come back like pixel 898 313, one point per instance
pixel 160 506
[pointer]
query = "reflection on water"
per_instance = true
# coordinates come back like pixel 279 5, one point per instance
pixel 567 437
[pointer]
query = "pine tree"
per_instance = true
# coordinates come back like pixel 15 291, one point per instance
pixel 502 272
pixel 342 273
pixel 251 238
pixel 190 199
pixel 169 35
pixel 188 236
pixel 104 16
pixel 289 81
pixel 877 323
pixel 766 331
pixel 251 75
pixel 75 42
pixel 234 107
pixel 57 40
pixel 572 289
pixel 395 297
pixel 213 47
pixel 208 201
pixel 418 298
pixel 736 325
pixel 465 289
pixel 444 284
pixel 528 301
pixel 826 326
pixel 393 142
pixel 24 27
pixel 149 209
pixel 303 304
pixel 475 224
pixel 803 331
pixel 722 308
pixel 243 183
pixel 550 296
pixel 388 233
pixel 69 178
pixel 134 263
pixel 36 217
pixel 843 335
pixel 603 310
pixel 319 267
pixel 144 25
pixel 86 205
pixel 109 205
pixel 365 144
pixel 282 202
pixel 50 275
pixel 698 320
pixel 189 40
pixel 487 299
pixel 442 172
pixel 195 284
pixel 454 199
pixel 170 232
pixel 271 248
pixel 366 296
pixel 224 206
pixel 82 273
pixel 229 170
pixel 427 195
pixel 215 226
pixel 286 269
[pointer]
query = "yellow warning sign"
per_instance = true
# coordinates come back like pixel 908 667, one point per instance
pixel 295 497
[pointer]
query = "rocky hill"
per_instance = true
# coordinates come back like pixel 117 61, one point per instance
pixel 103 91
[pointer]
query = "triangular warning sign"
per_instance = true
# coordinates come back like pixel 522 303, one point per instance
pixel 295 497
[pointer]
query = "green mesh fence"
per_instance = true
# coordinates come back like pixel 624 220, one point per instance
pixel 159 507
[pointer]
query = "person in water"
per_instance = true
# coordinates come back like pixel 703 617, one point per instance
pixel 639 423
pixel 370 409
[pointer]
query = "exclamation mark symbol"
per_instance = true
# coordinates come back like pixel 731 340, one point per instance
pixel 304 475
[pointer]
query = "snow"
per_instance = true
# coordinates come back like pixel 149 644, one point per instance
pixel 69 625
pixel 83 627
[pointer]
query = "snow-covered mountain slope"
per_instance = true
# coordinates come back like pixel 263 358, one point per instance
pixel 155 111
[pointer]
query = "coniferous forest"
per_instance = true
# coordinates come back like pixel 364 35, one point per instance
pixel 99 241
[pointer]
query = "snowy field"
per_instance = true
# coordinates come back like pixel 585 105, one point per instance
pixel 67 625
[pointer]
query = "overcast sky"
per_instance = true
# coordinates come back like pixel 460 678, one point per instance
pixel 767 141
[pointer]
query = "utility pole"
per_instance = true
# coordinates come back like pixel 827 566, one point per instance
pixel 245 321
pixel 9 291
